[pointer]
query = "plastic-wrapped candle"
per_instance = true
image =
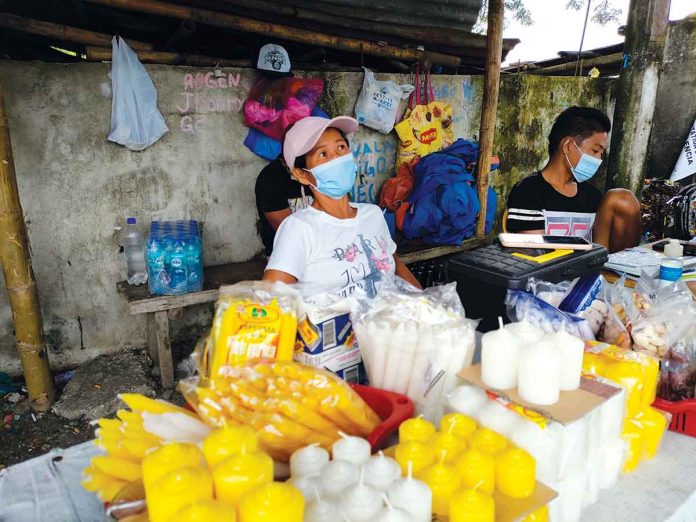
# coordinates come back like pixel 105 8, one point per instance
pixel 378 358
pixel 408 350
pixel 308 461
pixel 413 496
pixel 361 503
pixel 392 514
pixel 499 358
pixel 540 374
pixel 571 350
pixel 466 399
pixel 381 472
pixel 421 363
pixel 497 417
pixel 525 331
pixel 418 429
pixel 394 353
pixel 355 450
pixel 337 476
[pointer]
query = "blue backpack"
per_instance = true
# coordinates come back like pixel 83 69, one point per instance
pixel 444 201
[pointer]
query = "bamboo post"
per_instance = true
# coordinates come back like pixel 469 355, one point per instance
pixel 64 32
pixel 491 88
pixel 19 278
pixel 273 30
pixel 103 54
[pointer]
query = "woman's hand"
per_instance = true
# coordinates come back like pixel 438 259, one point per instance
pixel 277 275
pixel 405 273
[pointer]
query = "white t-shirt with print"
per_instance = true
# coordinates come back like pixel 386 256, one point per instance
pixel 331 255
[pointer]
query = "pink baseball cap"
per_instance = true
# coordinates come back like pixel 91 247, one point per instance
pixel 303 135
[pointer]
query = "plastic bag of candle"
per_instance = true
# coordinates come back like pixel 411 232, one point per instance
pixel 289 404
pixel 524 306
pixel 252 319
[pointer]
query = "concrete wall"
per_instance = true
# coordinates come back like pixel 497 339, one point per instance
pixel 675 108
pixel 77 188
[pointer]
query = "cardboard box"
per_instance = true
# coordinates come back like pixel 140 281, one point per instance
pixel 570 407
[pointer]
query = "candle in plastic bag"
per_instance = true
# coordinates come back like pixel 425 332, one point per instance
pixel 497 417
pixel 499 359
pixel 540 374
pixel 467 399
pixel 571 350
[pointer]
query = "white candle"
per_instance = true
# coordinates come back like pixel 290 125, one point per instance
pixel 392 514
pixel 500 359
pixel 571 350
pixel 525 332
pixel 497 417
pixel 308 486
pixel 611 416
pixel 462 340
pixel 362 337
pixel 394 353
pixel 337 476
pixel 361 503
pixel 381 472
pixel 432 406
pixel 355 450
pixel 413 496
pixel 308 461
pixel 379 334
pixel 322 511
pixel 539 374
pixel 421 363
pixel 466 399
pixel 408 349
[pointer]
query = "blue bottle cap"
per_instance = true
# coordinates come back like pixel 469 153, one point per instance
pixel 130 221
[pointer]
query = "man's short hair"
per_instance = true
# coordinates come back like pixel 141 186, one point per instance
pixel 579 123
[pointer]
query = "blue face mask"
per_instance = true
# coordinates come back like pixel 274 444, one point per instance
pixel 586 167
pixel 337 177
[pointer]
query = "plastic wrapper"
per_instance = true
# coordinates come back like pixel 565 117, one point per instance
pixel 414 342
pixel 289 404
pixel 678 369
pixel 524 306
pixel 252 319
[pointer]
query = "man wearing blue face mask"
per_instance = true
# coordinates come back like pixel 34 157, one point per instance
pixel 334 246
pixel 558 200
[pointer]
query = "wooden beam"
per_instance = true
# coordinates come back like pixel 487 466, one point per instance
pixel 64 32
pixel 588 63
pixel 103 54
pixel 21 286
pixel 491 88
pixel 273 30
pixel 637 93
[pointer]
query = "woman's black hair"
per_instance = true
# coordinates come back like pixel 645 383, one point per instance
pixel 579 123
pixel 301 161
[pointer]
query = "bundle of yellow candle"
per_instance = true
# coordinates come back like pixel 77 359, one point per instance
pixel 637 374
pixel 289 404
pixel 252 319
pixel 463 465
pixel 128 438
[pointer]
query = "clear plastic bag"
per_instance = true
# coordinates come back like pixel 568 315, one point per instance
pixel 378 103
pixel 678 369
pixel 136 123
pixel 414 342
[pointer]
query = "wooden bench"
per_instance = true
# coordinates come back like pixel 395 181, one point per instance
pixel 160 309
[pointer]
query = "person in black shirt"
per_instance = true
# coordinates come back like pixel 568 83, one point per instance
pixel 558 200
pixel 278 195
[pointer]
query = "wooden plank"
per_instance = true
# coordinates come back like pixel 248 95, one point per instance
pixel 164 350
pixel 491 89
pixel 162 303
pixel 615 59
pixel 103 54
pixel 274 30
pixel 416 254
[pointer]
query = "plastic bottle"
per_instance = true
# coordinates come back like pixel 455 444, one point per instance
pixel 672 266
pixel 177 272
pixel 134 247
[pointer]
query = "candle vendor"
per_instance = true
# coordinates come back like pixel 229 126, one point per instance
pixel 559 200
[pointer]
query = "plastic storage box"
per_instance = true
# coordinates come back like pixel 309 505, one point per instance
pixel 484 275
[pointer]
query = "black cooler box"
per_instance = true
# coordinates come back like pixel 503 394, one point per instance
pixel 484 275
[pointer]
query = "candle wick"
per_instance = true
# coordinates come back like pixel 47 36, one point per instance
pixel 316 492
pixel 451 427
pixel 443 453
pixel 386 501
pixel 410 469
pixel 477 485
pixel 343 435
pixel 381 454
pixel 362 477
pixel 500 322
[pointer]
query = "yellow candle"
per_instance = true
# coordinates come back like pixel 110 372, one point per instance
pixel 458 424
pixel 273 502
pixel 654 424
pixel 476 469
pixel 468 505
pixel 228 441
pixel 419 454
pixel 515 473
pixel 443 481
pixel 168 458
pixel 175 490
pixel 540 515
pixel 448 445
pixel 419 430
pixel 239 474
pixel 488 441
pixel 206 511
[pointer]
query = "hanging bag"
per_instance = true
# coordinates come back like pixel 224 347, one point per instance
pixel 378 103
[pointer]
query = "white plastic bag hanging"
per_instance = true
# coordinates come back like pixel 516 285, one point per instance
pixel 378 104
pixel 135 121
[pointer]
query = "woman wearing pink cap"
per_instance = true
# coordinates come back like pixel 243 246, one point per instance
pixel 334 246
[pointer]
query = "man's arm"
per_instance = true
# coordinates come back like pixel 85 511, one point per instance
pixel 405 273
pixel 277 217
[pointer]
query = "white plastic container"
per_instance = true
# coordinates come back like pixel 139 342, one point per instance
pixel 134 248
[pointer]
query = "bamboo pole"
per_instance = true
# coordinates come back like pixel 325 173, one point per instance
pixel 19 278
pixel 600 61
pixel 491 88
pixel 103 54
pixel 64 32
pixel 218 19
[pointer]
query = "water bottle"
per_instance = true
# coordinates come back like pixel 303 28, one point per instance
pixel 672 265
pixel 177 268
pixel 134 247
